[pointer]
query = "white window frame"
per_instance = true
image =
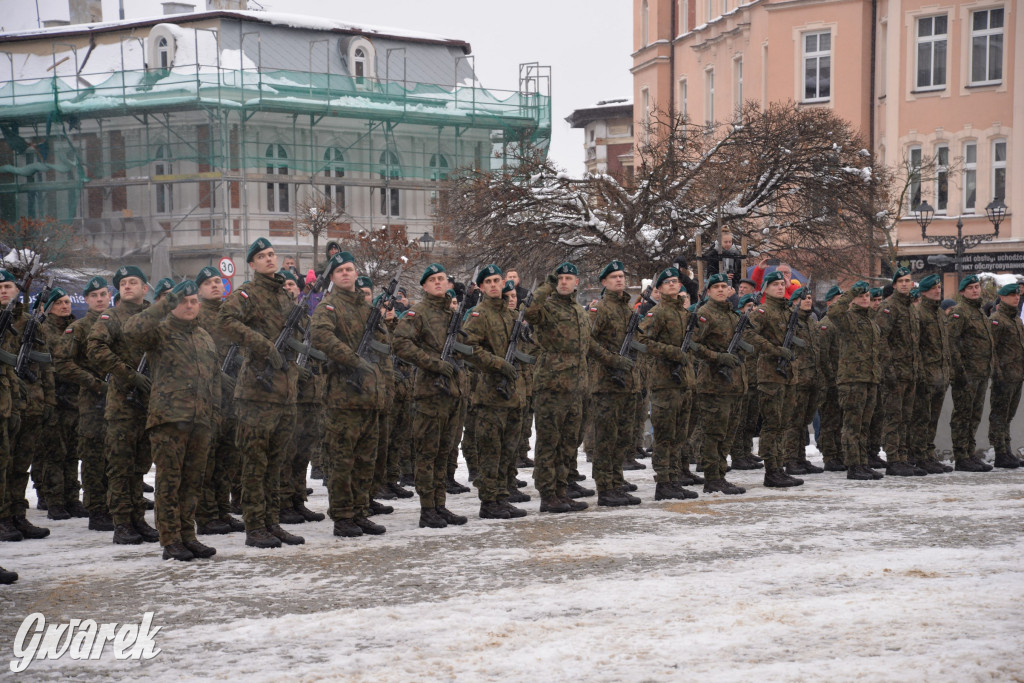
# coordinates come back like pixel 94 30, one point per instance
pixel 278 193
pixel 709 97
pixel 390 197
pixel 163 164
pixel 914 163
pixel 941 177
pixel 684 16
pixel 439 169
pixel 645 23
pixel 997 166
pixel 737 79
pixel 645 110
pixel 934 42
pixel 334 167
pixel 684 97
pixel 816 55
pixel 970 177
pixel 989 35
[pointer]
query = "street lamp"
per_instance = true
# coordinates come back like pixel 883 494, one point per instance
pixel 923 214
pixel 427 240
pixel 996 211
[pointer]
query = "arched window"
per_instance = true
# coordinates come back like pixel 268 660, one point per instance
pixel 163 53
pixel 334 168
pixel 359 65
pixel 164 191
pixel 361 61
pixel 390 169
pixel 277 193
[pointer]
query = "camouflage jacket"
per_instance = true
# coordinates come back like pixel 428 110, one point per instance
pixel 208 320
pixel 338 324
pixel 859 336
pixel 970 340
pixel 65 391
pixel 562 331
pixel 528 345
pixel 662 331
pixel 807 360
pixel 72 363
pixel 419 340
pixel 900 327
pixel 716 323
pixel 405 373
pixel 935 369
pixel 183 364
pixel 488 329
pixel 12 394
pixel 768 324
pixel 109 352
pixel 40 393
pixel 608 322
pixel 1008 339
pixel 253 316
pixel 829 348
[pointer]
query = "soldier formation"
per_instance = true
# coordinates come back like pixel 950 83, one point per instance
pixel 234 398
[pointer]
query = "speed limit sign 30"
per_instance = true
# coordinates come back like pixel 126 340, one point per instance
pixel 227 267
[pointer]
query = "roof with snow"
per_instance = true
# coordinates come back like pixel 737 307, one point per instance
pixel 605 109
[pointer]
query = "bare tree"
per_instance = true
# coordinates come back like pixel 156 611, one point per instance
pixel 380 252
pixel 317 214
pixel 35 248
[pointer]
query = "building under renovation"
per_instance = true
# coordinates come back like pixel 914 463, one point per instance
pixel 174 141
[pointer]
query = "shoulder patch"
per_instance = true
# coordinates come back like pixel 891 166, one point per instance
pixel 702 319
pixel 68 331
pixel 760 310
pixel 242 293
pixel 956 315
pixel 995 322
pixel 593 309
pixel 474 314
pixel 825 327
pixel 329 307
pixel 885 310
pixel 650 315
pixel 104 317
pixel 410 314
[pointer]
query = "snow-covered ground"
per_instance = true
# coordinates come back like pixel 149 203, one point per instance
pixel 902 579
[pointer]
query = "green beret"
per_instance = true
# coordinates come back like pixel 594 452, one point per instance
pixel 567 269
pixel 256 247
pixel 800 294
pixel 747 299
pixel 289 275
pixel 451 294
pixel 56 294
pixel 1005 290
pixel 969 280
pixel 510 286
pixel 364 282
pixel 164 284
pixel 928 281
pixel 185 288
pixel 833 292
pixel 205 274
pixel 611 268
pixel 487 272
pixel 128 271
pixel 338 259
pixel 772 277
pixel 5 276
pixel 915 293
pixel 666 274
pixel 92 285
pixel 902 271
pixel 432 269
pixel 860 287
pixel 876 292
pixel 717 278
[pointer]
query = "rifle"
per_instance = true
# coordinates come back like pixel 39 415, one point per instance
pixel 736 344
pixel 453 345
pixel 369 348
pixel 5 327
pixel 791 339
pixel 512 354
pixel 133 395
pixel 25 354
pixel 630 347
pixel 677 368
pixel 229 367
pixel 286 339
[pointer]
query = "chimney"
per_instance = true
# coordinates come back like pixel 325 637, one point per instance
pixel 178 8
pixel 86 11
pixel 230 5
pixel 53 23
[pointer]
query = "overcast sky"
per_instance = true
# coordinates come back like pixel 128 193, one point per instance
pixel 587 44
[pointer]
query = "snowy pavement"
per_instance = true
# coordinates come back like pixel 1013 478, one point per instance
pixel 903 579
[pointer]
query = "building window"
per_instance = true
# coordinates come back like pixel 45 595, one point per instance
pixel 164 191
pixel 683 99
pixel 645 108
pixel 163 53
pixel 725 6
pixel 737 77
pixel 390 198
pixel 277 193
pixel 334 167
pixel 970 176
pixel 931 53
pixel 645 23
pixel 914 169
pixel 987 46
pixel 941 178
pixel 361 60
pixel 359 65
pixel 817 66
pixel 711 10
pixel 684 27
pixel 709 97
pixel 439 173
pixel 999 169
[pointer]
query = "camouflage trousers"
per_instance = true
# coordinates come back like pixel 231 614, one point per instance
pixel 497 434
pixel 93 452
pixel 41 435
pixel 719 415
pixel 670 416
pixel 899 413
pixel 179 450
pixel 876 427
pixel 1003 402
pixel 436 426
pixel 746 424
pixel 587 428
pixel 6 461
pixel 830 433
pixel 264 438
pixel 527 426
pixel 614 420
pixel 128 460
pixel 857 401
pixel 214 499
pixel 927 408
pixel 559 420
pixel 968 403
pixel 469 441
pixel 457 438
pixel 805 405
pixel 643 412
pixel 777 404
pixel 350 450
pixel 60 464
pixel 306 440
pixel 400 441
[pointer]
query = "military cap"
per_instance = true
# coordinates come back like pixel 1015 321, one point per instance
pixel 799 294
pixel 205 273
pixel 876 292
pixel 56 294
pixel 716 278
pixel 747 299
pixel 749 282
pixel 338 259
pixel 164 284
pixel 256 247
pixel 128 271
pixel 773 276
pixel 451 294
pixel 5 276
pixel 289 275
pixel 833 292
pixel 432 269
pixel 92 285
pixel 567 269
pixel 969 280
pixel 611 268
pixel 927 282
pixel 510 286
pixel 1010 289
pixel 902 271
pixel 185 288
pixel 666 274
pixel 692 308
pixel 487 272
pixel 915 293
pixel 860 287
pixel 364 282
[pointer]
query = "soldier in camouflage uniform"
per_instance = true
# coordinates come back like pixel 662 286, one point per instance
pixel 878 418
pixel 806 369
pixel 511 475
pixel 742 450
pixel 562 331
pixel 900 328
pixel 776 392
pixel 497 398
pixel 253 316
pixel 128 448
pixel 400 436
pixel 382 453
pixel 972 357
pixel 185 369
pixel 857 373
pixel 672 382
pixel 8 532
pixel 829 435
pixel 1008 342
pixel 419 340
pixel 933 379
pixel 72 364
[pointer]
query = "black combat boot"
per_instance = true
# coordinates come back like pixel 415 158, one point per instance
pixel 290 516
pixel 873 472
pixel 77 510
pixel 261 538
pixel 746 462
pixel 380 508
pixel 688 478
pixel 554 504
pixel 517 496
pixel 628 488
pixel 407 480
pixel 125 534
pixel 666 491
pixel 347 528
pixel 875 462
pixel 9 532
pixel 31 531
pixel 235 524
pixel 796 467
pixel 454 488
pixel 177 551
pixel 520 484
pixel 368 526
pixel 41 502
pixel 400 491
pixel 148 533
pixel 513 511
pixel 200 550
pixel 450 517
pixel 101 521
pixel 6 577
pixel 931 467
pixel 900 469
pixel 148 503
pixel 1007 461
pixel 810 468
pixel 632 464
pixel 524 462
pixel 430 518
pixel 777 478
pixel 972 465
pixel 612 498
pixel 316 472
pixel 213 527
pixel 57 512
pixel 577 477
pixel 834 465
pixel 308 514
pixel 384 492
pixel 859 473
pixel 285 537
pixel 574 490
pixel 722 486
pixel 641 453
pixel 574 505
pixel 493 510
pixel 630 499
pixel 146 488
